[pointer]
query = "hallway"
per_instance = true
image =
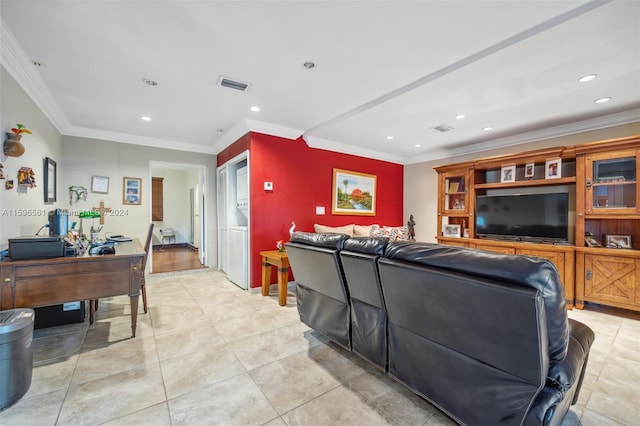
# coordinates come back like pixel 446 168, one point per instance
pixel 175 258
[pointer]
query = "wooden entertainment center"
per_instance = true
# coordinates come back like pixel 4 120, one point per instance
pixel 604 209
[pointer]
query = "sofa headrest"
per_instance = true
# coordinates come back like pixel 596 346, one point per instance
pixel 527 271
pixel 325 240
pixel 367 245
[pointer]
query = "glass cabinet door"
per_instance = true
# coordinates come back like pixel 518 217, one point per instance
pixel 455 190
pixel 611 183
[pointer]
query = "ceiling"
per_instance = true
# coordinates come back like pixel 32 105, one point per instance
pixel 382 69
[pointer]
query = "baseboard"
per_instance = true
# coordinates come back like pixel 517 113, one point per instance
pixel 170 246
pixel 174 245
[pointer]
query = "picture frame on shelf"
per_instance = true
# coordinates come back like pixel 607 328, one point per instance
pixel 131 191
pixel 617 241
pixel 100 184
pixel 529 170
pixel 553 169
pixel 590 241
pixel 508 173
pixel 353 193
pixel 451 231
pixel 50 180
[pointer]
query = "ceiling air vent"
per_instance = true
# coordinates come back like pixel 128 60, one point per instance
pixel 442 128
pixel 233 84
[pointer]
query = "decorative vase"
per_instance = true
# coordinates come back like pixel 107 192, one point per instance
pixel 12 146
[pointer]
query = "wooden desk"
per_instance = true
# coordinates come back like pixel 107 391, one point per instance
pixel 43 282
pixel 281 261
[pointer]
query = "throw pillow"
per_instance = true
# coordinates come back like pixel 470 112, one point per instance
pixel 346 229
pixel 362 231
pixel 392 232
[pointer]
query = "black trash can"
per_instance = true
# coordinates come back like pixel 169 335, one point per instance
pixel 16 354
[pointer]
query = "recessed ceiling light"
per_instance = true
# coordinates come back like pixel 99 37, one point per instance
pixel 418 145
pixel 309 65
pixel 150 82
pixel 586 78
pixel 145 118
pixel 389 137
pixel 486 129
pixel 255 108
pixel 460 116
pixel 602 100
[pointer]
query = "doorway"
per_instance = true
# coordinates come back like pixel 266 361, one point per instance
pixel 179 239
pixel 233 219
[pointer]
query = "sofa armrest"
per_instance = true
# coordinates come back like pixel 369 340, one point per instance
pixel 564 379
pixel 567 373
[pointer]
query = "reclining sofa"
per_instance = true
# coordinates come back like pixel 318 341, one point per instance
pixel 483 336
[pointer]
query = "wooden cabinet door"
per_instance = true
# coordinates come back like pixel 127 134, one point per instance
pixel 611 186
pixel 564 263
pixel 612 280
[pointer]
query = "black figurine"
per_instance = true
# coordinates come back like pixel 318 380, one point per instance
pixel 410 227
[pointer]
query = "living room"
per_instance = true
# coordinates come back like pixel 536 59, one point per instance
pixel 302 179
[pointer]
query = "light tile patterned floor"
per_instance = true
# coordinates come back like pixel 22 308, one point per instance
pixel 209 353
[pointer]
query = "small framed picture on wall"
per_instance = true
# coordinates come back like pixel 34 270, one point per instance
pixel 100 184
pixel 131 191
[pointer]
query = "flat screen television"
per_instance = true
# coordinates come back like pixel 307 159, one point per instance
pixel 524 217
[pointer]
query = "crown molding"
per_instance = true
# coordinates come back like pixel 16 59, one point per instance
pixel 245 126
pixel 84 132
pixel 19 66
pixel 230 136
pixel 342 148
pixel 617 119
pixel 274 129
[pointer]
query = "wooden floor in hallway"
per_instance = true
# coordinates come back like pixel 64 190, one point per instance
pixel 175 258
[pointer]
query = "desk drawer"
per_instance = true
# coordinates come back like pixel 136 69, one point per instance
pixel 71 268
pixel 41 291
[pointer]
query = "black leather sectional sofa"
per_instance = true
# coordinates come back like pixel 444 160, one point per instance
pixel 485 337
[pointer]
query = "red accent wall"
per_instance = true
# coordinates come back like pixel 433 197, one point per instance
pixel 302 179
pixel 235 149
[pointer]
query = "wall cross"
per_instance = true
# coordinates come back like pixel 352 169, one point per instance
pixel 102 210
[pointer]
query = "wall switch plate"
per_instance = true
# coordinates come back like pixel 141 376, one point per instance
pixel 268 186
pixel 320 210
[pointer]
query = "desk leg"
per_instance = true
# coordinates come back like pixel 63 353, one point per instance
pixel 134 314
pixel 283 281
pixel 266 277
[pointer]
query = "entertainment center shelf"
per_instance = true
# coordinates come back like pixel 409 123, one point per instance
pixel 600 180
pixel 525 183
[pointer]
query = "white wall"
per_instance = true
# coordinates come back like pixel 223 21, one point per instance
pixel 421 181
pixel 17 107
pixel 84 158
pixel 175 191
